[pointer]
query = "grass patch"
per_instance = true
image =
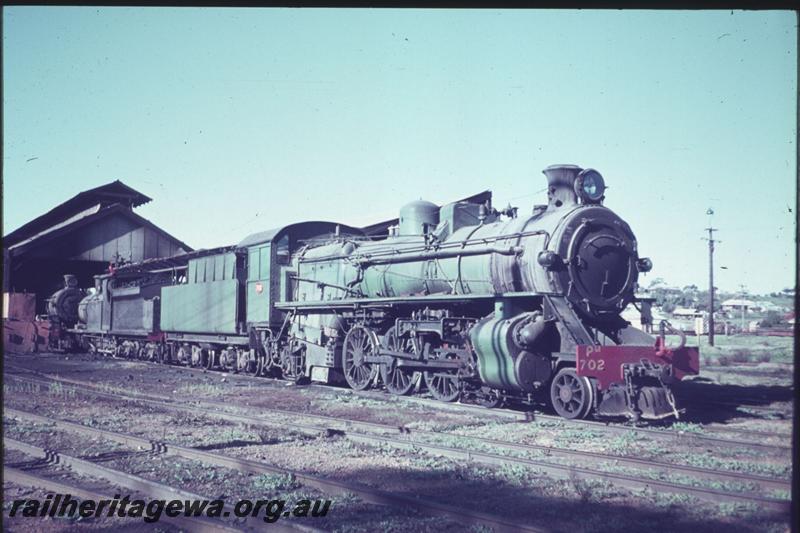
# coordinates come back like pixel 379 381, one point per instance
pixel 732 349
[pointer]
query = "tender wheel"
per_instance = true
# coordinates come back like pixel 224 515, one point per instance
pixel 245 363
pixel 398 380
pixel 200 358
pixel 443 387
pixel 359 343
pixel 572 395
pixel 183 355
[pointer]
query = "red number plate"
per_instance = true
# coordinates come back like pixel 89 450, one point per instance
pixel 604 363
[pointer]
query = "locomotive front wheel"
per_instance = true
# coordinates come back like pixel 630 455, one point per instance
pixel 571 395
pixel 398 380
pixel 359 343
pixel 443 387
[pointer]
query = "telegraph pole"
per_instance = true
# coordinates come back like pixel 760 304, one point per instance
pixel 711 231
pixel 744 293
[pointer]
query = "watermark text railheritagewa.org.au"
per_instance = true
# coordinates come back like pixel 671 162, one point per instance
pixel 64 505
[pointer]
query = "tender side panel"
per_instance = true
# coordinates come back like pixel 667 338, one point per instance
pixel 208 302
pixel 200 307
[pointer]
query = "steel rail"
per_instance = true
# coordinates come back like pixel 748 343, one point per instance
pixel 326 485
pixel 526 416
pixel 521 416
pixel 153 489
pixel 116 477
pixel 600 426
pixel 503 413
pixel 20 477
pixel 564 471
pixel 551 451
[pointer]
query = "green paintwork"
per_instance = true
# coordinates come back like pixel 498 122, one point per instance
pixel 200 307
pixel 419 217
pixel 492 342
pixel 259 283
pixel 212 268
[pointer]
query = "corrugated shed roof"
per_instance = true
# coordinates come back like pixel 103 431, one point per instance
pixel 81 219
pixel 115 192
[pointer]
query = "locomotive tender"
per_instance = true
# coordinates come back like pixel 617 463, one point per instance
pixel 471 302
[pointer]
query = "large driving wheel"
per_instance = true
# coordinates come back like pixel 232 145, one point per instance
pixel 571 395
pixel 444 387
pixel 397 379
pixel 359 343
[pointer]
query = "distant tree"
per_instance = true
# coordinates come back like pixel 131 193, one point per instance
pixel 773 318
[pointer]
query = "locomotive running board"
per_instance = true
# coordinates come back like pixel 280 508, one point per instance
pixel 401 300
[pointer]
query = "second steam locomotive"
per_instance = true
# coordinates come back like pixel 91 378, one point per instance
pixel 470 302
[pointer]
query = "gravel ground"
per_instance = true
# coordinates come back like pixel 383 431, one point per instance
pixel 513 492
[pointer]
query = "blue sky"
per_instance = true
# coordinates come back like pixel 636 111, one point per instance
pixel 239 120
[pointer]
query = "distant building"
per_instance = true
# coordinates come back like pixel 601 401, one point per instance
pixel 737 304
pixel 765 306
pixel 644 319
pixel 82 236
pixel 684 312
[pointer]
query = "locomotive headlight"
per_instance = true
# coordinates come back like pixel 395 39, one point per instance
pixel 590 186
pixel 644 264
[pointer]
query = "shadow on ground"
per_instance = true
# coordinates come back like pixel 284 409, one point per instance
pixel 706 401
pixel 585 506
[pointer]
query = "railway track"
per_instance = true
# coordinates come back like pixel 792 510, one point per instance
pixel 635 482
pixel 26 479
pixel 510 414
pixel 325 485
pixel 506 413
pixel 602 426
pixel 128 481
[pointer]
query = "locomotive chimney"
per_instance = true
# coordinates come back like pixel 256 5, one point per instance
pixel 561 185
